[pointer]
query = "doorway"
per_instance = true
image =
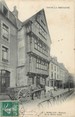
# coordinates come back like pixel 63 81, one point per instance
pixel 4 80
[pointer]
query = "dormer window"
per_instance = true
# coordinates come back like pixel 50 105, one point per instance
pixel 5 11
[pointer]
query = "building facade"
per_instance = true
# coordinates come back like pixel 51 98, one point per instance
pixel 8 48
pixel 24 49
pixel 33 51
pixel 58 74
pixel 25 52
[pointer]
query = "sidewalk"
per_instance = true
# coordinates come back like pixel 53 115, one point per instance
pixel 59 91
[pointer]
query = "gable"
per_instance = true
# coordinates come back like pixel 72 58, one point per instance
pixel 41 19
pixel 39 22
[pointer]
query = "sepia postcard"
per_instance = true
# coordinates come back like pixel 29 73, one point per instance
pixel 37 58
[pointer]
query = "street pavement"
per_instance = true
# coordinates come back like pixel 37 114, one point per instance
pixel 65 108
pixel 36 102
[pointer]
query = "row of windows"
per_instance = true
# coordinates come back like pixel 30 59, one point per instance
pixel 5 32
pixel 38 80
pixel 37 30
pixel 42 31
pixel 40 64
pixel 39 20
pixel 55 69
pixel 40 46
pixel 53 76
pixel 5 36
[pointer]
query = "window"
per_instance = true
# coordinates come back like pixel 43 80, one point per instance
pixel 5 11
pixel 5 31
pixel 42 32
pixel 40 64
pixel 36 43
pixel 41 23
pixel 51 66
pixel 37 63
pixel 52 75
pixel 4 54
pixel 57 76
pixel 54 68
pixel 40 46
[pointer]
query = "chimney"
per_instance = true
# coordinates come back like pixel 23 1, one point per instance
pixel 15 12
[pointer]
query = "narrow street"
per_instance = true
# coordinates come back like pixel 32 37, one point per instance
pixel 47 101
pixel 64 108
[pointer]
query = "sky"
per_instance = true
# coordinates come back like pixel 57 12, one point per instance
pixel 60 20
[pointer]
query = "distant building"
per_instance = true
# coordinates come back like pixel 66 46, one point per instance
pixel 58 74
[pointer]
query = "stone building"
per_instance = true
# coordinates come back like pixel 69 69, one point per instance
pixel 24 49
pixel 8 48
pixel 33 51
pixel 58 74
pixel 25 52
